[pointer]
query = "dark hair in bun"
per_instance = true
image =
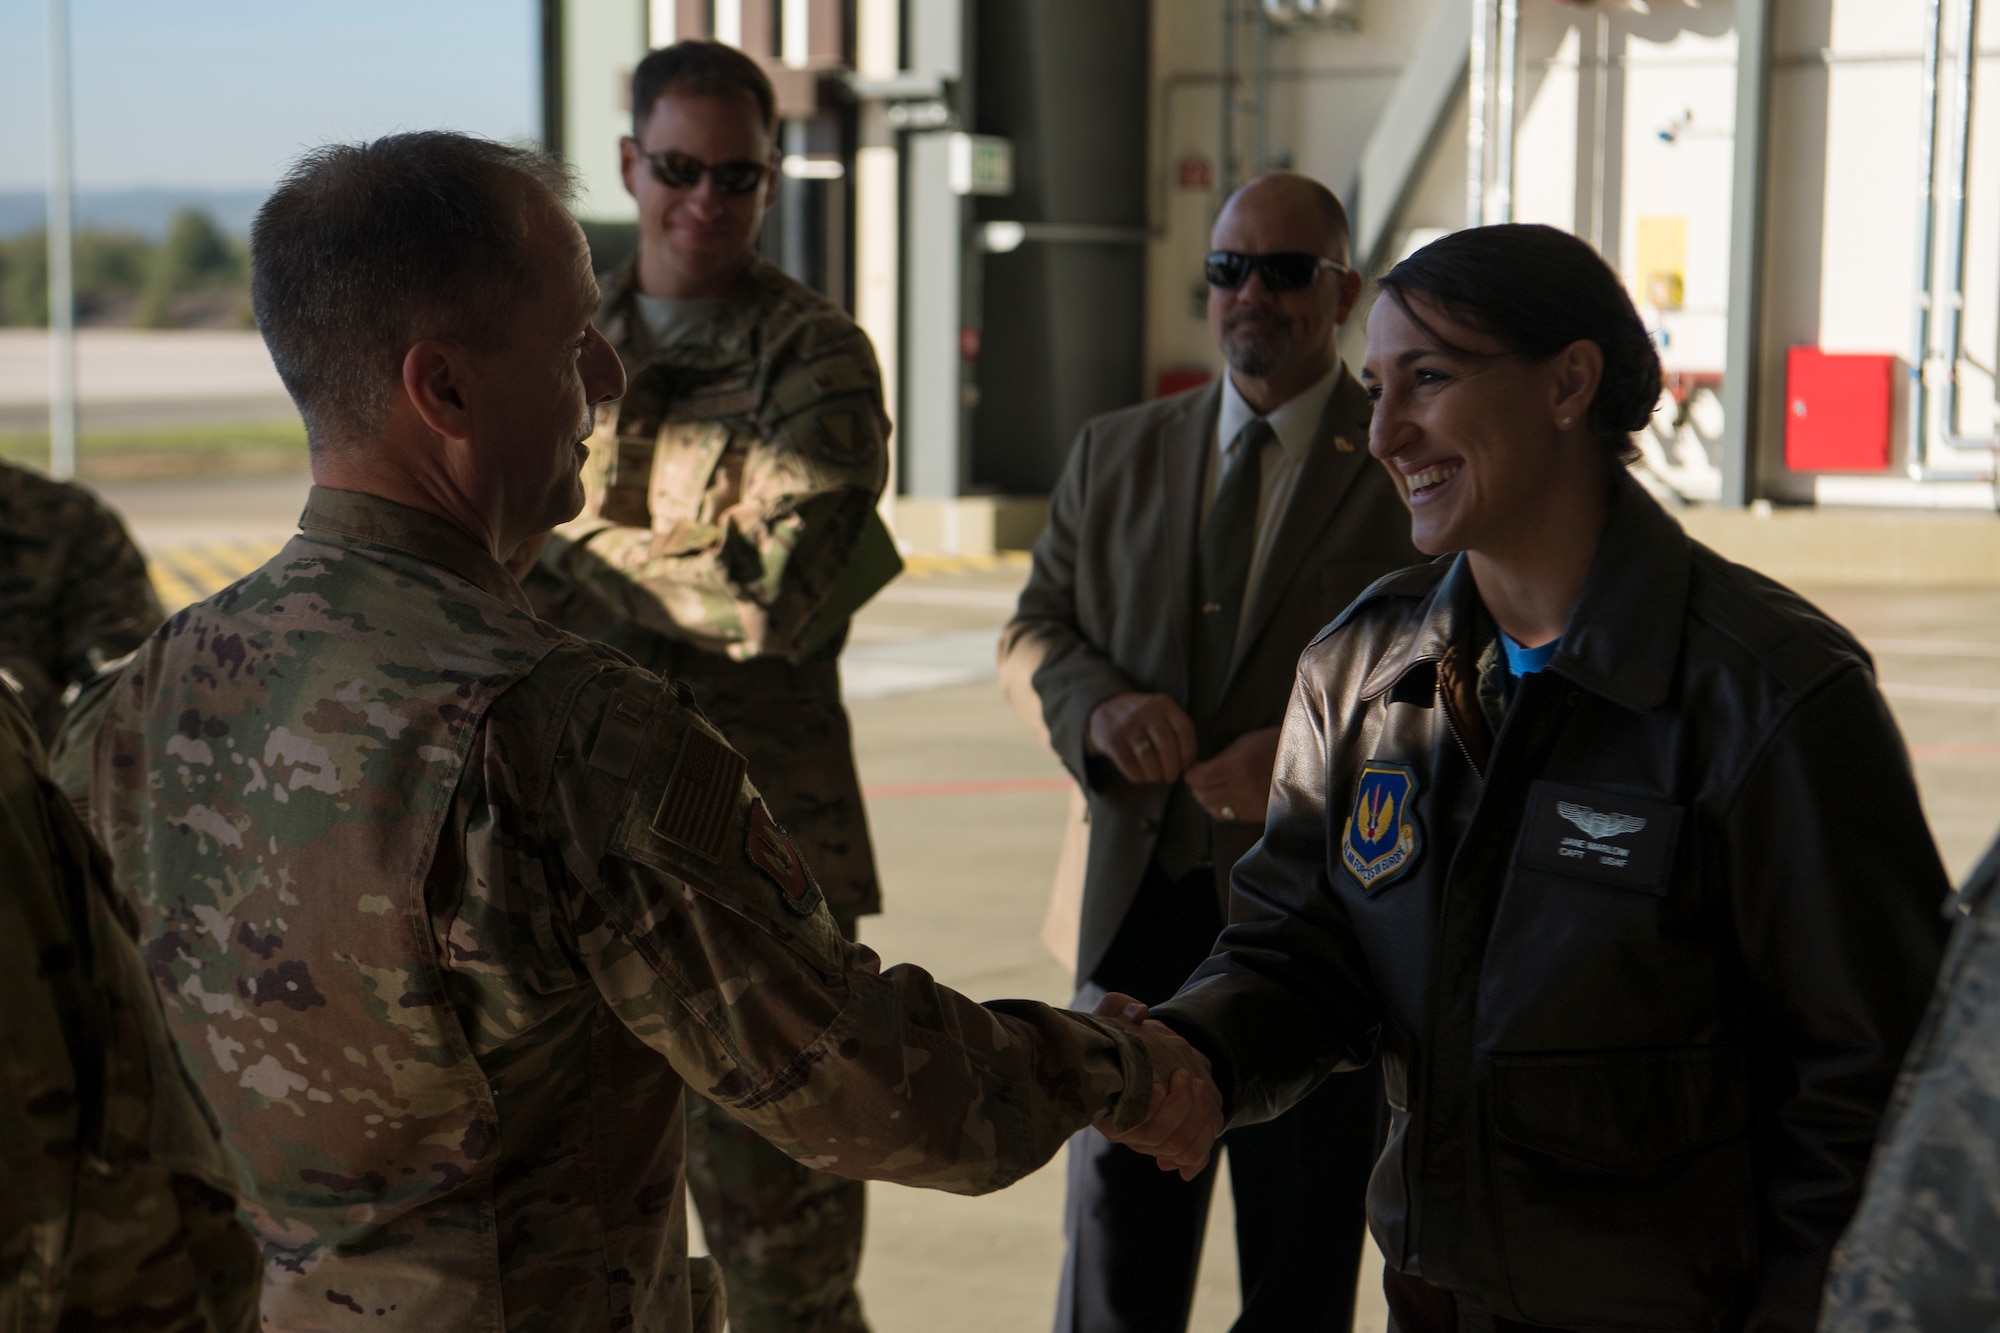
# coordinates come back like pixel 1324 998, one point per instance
pixel 1538 290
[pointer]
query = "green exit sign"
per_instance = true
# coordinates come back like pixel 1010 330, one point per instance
pixel 981 164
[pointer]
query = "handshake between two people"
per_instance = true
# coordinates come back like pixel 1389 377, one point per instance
pixel 1184 1116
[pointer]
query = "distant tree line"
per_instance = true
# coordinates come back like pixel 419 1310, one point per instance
pixel 198 274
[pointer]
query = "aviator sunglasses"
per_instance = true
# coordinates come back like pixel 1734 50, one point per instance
pixel 678 171
pixel 1285 271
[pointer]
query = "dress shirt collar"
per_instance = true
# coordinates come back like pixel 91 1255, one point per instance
pixel 1295 422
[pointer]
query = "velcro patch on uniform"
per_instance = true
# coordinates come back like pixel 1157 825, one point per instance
pixel 1601 836
pixel 816 383
pixel 840 441
pixel 1382 840
pixel 772 851
pixel 701 795
pixel 709 407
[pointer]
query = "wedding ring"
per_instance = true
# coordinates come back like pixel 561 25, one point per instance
pixel 1229 814
pixel 1141 745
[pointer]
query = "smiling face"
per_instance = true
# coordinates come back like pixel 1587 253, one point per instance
pixel 694 242
pixel 533 392
pixel 1473 434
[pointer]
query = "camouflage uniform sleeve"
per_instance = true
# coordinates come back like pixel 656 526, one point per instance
pixel 749 578
pixel 116 1209
pixel 113 607
pixel 704 930
pixel 1923 1250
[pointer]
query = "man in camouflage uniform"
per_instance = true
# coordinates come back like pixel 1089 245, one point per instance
pixel 117 1206
pixel 73 590
pixel 729 531
pixel 451 906
pixel 1923 1251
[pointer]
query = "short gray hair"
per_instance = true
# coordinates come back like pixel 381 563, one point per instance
pixel 366 248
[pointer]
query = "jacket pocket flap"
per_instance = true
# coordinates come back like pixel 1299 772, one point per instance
pixel 1628 1112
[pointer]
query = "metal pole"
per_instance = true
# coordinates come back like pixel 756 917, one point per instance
pixel 1503 111
pixel 62 282
pixel 1225 158
pixel 1260 91
pixel 1476 116
pixel 1927 155
pixel 1954 260
pixel 1741 401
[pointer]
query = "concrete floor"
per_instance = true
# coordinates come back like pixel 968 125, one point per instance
pixel 967 811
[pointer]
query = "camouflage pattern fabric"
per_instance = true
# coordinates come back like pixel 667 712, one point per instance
pixel 73 589
pixel 449 906
pixel 726 494
pixel 1923 1251
pixel 788 1238
pixel 117 1207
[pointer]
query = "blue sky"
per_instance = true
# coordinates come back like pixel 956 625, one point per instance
pixel 222 93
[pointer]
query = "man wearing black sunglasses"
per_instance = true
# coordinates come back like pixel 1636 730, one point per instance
pixel 728 534
pixel 1195 545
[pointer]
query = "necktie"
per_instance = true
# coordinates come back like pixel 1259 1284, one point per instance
pixel 1224 568
pixel 1222 573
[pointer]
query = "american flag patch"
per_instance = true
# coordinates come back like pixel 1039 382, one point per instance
pixel 701 795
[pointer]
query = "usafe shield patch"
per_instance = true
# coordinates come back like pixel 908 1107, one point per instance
pixel 1381 841
pixel 1601 836
pixel 701 795
pixel 772 851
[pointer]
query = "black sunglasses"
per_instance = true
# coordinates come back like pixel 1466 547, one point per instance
pixel 678 171
pixel 1285 271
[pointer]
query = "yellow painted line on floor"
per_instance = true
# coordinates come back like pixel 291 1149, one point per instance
pixel 924 565
pixel 184 574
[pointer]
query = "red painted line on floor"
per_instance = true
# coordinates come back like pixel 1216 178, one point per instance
pixel 1951 751
pixel 891 791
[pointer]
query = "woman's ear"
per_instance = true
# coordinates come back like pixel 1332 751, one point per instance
pixel 1575 371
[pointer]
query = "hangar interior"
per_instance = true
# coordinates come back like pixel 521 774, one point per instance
pixel 1013 197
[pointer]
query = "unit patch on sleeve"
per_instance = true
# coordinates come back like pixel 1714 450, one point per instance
pixel 772 851
pixel 1382 841
pixel 701 795
pixel 1596 835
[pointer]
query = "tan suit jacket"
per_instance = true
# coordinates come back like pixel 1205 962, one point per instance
pixel 1109 605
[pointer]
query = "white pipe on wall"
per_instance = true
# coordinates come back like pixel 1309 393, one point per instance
pixel 1927 158
pixel 1476 114
pixel 1954 255
pixel 1505 61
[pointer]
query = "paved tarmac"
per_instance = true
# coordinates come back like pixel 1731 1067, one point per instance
pixel 967 813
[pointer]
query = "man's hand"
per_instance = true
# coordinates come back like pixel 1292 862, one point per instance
pixel 1184 1117
pixel 1148 736
pixel 1234 785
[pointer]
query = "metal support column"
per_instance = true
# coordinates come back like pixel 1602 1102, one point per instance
pixel 1740 379
pixel 935 444
pixel 62 284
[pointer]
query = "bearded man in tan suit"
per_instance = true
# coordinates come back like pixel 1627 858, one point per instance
pixel 1195 546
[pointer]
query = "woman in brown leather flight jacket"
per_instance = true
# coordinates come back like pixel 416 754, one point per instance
pixel 1641 923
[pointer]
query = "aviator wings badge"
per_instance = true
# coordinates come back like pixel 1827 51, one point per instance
pixel 1597 823
pixel 1381 841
